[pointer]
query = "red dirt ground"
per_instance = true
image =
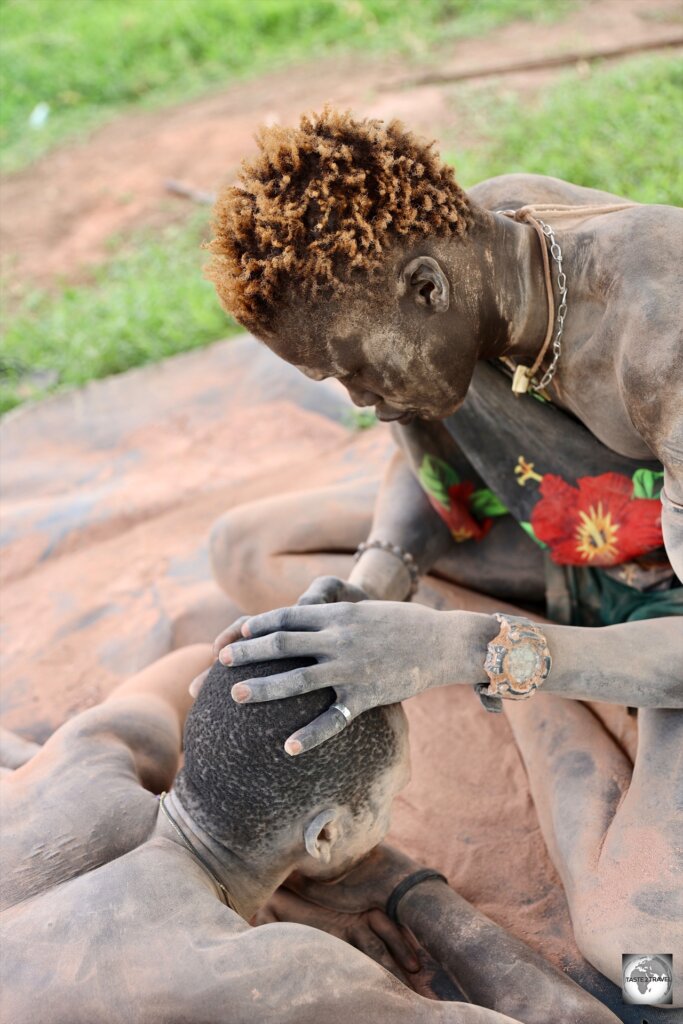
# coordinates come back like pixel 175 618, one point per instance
pixel 58 214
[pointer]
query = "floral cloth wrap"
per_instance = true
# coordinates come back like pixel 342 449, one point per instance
pixel 597 514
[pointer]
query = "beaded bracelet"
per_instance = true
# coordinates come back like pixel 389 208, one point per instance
pixel 404 556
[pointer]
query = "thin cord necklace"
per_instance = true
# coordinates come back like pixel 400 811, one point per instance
pixel 195 853
pixel 524 377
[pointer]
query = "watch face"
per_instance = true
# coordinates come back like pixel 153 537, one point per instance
pixel 521 665
pixel 517 660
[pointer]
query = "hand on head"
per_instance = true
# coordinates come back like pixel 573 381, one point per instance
pixel 318 814
pixel 371 653
pixel 323 590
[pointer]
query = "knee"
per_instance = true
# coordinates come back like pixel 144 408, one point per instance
pixel 228 544
pixel 596 945
pixel 233 549
pixel 607 927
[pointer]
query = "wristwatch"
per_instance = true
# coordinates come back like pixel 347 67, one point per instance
pixel 517 662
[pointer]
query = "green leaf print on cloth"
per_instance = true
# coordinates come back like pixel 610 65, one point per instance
pixel 647 483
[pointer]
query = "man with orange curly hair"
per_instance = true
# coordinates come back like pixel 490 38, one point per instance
pixel 524 338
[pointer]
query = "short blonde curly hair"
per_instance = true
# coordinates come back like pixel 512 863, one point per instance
pixel 320 203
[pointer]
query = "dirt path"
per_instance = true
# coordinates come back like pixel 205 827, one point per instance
pixel 58 214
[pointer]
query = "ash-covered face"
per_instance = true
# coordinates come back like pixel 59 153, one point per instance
pixel 407 346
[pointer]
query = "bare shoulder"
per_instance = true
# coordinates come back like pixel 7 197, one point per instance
pixel 644 245
pixel 130 718
pixel 291 973
pixel 514 190
pixel 62 812
pixel 137 729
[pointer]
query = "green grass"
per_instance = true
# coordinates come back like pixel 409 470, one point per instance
pixel 617 130
pixel 150 301
pixel 88 58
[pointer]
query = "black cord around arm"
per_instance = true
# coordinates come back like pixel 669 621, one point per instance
pixel 423 875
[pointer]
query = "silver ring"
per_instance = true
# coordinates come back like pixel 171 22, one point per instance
pixel 344 712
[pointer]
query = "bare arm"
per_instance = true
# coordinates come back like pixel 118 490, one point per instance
pixel 293 974
pixel 658 373
pixel 637 664
pixel 672 518
pixel 491 967
pixel 403 516
pixel 382 652
pixel 143 718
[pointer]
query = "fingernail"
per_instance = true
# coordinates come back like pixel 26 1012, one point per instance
pixel 193 688
pixel 225 656
pixel 246 631
pixel 293 747
pixel 240 693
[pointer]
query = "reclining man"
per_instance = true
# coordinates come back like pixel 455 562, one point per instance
pixel 121 907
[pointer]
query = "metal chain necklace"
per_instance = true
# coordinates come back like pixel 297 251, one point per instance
pixel 556 254
pixel 524 376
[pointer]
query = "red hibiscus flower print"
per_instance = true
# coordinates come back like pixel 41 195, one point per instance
pixel 458 517
pixel 599 522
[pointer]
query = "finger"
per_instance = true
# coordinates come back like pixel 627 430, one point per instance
pixel 364 939
pixel 321 729
pixel 281 685
pixel 198 682
pixel 321 591
pixel 394 939
pixel 297 617
pixel 273 646
pixel 229 635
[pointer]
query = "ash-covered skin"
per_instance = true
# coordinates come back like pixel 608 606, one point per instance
pixel 392 345
pixel 97 884
pixel 107 917
pixel 407 343
pixel 616 848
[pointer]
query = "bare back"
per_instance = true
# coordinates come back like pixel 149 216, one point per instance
pixel 106 917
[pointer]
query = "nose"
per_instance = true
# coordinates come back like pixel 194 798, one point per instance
pixel 361 397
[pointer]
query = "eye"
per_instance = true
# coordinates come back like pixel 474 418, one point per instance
pixel 348 378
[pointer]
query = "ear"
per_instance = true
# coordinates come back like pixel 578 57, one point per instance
pixel 425 279
pixel 320 835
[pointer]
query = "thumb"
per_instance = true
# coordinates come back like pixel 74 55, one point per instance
pixel 198 682
pixel 323 590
